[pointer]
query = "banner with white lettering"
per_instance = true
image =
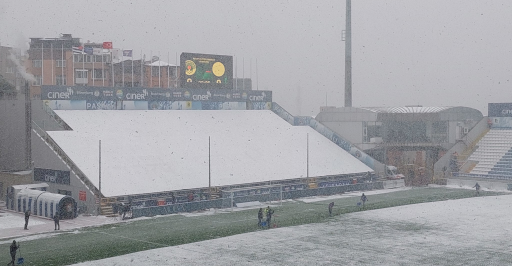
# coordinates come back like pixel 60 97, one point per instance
pixel 500 110
pixel 151 94
pixel 51 176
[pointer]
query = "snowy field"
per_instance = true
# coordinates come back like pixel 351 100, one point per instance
pixel 457 228
pixel 473 231
pixel 151 151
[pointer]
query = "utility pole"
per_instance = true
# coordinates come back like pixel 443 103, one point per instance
pixel 348 56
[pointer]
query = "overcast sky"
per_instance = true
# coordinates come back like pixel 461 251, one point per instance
pixel 408 52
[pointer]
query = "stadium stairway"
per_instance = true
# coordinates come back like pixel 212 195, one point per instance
pixel 328 133
pixel 493 156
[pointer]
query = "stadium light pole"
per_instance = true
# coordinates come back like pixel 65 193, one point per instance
pixel 99 176
pixel 209 167
pixel 348 56
pixel 307 155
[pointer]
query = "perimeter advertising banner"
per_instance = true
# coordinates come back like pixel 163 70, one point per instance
pixel 500 110
pixel 206 71
pixel 51 176
pixel 102 97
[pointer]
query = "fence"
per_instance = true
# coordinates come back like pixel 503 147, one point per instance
pixel 272 196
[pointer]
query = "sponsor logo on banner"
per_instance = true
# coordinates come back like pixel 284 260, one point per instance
pixel 108 93
pixel 500 109
pixel 97 93
pixel 202 97
pixel 60 94
pixel 119 94
pixel 51 176
pixel 186 94
pixel 177 94
pixel 258 98
pixel 101 105
pixel 244 96
pixel 137 96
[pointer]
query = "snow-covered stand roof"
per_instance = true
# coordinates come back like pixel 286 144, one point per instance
pixel 146 151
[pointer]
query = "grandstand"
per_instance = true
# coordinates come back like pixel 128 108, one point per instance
pixel 494 155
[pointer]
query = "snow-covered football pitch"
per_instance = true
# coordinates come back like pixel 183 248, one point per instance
pixel 455 229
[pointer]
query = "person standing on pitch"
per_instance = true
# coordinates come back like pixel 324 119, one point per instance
pixel 56 220
pixel 12 249
pixel 331 205
pixel 363 200
pixel 269 216
pixel 477 187
pixel 260 216
pixel 27 215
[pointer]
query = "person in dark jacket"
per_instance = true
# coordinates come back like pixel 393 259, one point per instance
pixel 27 215
pixel 269 215
pixel 364 199
pixel 260 216
pixel 12 249
pixel 56 220
pixel 331 205
pixel 477 187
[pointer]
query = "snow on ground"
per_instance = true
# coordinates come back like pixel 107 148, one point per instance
pixel 11 225
pixel 473 231
pixel 149 151
pixel 351 194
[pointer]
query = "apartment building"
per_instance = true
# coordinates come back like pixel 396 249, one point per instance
pixel 66 61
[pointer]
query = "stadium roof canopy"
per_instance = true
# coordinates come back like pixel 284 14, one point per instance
pixel 411 113
pixel 146 151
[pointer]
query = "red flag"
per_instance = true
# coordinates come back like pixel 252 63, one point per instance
pixel 107 45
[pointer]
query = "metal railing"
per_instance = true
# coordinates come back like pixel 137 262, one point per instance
pixel 55 117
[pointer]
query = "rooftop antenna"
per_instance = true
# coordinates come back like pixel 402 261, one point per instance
pixel 348 56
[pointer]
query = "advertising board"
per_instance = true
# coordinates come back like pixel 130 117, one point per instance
pixel 106 94
pixel 500 109
pixel 206 71
pixel 51 176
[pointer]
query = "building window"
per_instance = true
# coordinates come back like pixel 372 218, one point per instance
pixel 98 74
pixel 37 63
pixel 155 72
pixel 61 63
pixel 79 58
pixel 38 80
pixel 81 76
pixel 60 80
pixel 10 70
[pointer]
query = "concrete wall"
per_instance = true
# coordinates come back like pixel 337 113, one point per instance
pixel 44 157
pixel 12 135
pixel 14 178
pixel 351 131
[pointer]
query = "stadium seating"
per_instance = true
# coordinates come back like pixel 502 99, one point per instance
pixel 494 155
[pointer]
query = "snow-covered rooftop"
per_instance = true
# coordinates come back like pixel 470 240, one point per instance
pixel 160 63
pixel 149 151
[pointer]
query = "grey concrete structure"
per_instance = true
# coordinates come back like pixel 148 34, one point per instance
pixel 412 137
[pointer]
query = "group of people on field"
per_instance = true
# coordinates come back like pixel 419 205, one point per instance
pixel 265 213
pixel 56 220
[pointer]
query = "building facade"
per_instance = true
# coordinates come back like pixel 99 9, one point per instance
pixel 412 138
pixel 66 61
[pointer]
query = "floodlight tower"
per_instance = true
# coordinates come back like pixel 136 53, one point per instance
pixel 348 56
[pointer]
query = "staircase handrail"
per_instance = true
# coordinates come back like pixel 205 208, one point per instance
pixel 66 159
pixel 470 140
pixel 330 134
